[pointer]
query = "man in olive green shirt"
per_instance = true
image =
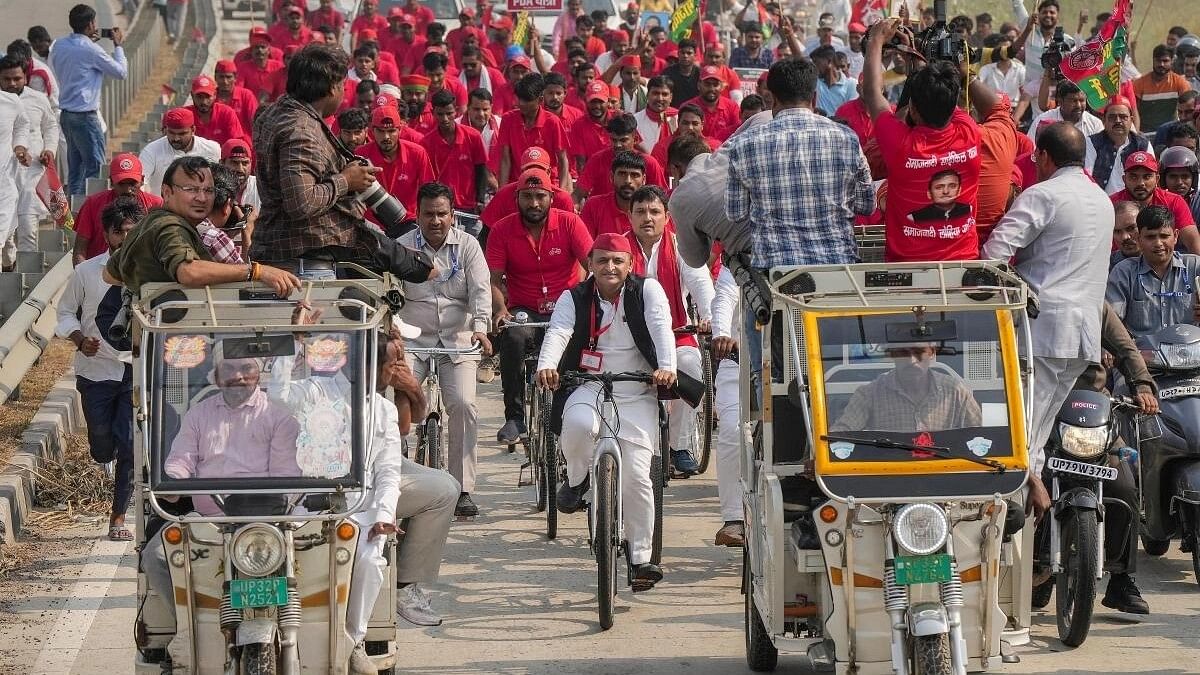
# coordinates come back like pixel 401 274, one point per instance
pixel 166 246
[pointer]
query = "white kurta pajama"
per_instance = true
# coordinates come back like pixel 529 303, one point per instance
pixel 726 402
pixel 697 284
pixel 43 135
pixel 637 404
pixel 14 132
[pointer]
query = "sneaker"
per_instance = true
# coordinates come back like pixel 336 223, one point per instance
pixel 465 508
pixel 685 465
pixel 509 434
pixel 412 605
pixel 570 499
pixel 1123 595
pixel 360 663
pixel 732 534
pixel 645 576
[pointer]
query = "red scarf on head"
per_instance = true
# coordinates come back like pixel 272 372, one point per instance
pixel 668 277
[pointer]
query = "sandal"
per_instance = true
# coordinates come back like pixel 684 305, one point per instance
pixel 119 533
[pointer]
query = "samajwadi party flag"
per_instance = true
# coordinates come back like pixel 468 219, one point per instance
pixel 685 14
pixel 1096 65
pixel 869 12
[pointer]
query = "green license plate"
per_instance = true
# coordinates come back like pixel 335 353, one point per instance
pixel 265 592
pixel 922 569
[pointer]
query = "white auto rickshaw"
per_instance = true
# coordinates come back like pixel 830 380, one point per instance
pixel 260 551
pixel 883 470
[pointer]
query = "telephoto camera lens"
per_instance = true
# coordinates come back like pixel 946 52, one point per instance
pixel 386 208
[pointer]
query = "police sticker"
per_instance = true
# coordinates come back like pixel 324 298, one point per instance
pixel 979 446
pixel 841 449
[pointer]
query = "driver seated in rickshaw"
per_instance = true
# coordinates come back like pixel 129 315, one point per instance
pixel 914 396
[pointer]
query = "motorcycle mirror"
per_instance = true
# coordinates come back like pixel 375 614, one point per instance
pixel 1149 429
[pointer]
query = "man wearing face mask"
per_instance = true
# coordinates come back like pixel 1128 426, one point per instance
pixel 179 139
pixel 913 397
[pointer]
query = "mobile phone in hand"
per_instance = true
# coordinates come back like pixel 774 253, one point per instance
pixel 106 33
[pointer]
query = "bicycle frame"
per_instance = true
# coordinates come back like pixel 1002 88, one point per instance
pixel 607 444
pixel 433 381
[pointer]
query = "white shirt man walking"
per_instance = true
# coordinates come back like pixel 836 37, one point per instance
pixel 43 141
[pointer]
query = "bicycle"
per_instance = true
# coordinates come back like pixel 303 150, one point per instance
pixel 429 433
pixel 606 535
pixel 702 432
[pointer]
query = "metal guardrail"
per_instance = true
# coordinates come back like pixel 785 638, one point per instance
pixel 30 328
pixel 142 47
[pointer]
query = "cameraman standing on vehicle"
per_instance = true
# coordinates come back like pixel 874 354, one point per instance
pixel 310 217
pixel 1035 46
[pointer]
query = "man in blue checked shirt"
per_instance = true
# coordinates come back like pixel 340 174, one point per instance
pixel 81 66
pixel 751 53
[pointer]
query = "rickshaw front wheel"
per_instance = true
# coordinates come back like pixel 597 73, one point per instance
pixel 258 659
pixel 931 654
pixel 761 654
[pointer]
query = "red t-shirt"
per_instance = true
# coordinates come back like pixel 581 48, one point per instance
pixel 455 164
pixel 326 17
pixel 395 45
pixel 87 221
pixel 245 54
pixel 413 56
pixel 423 16
pixel 452 85
pixel 602 215
pixel 223 124
pixel 245 105
pixel 547 133
pixel 722 119
pixel 1174 203
pixel 596 177
pixel 569 116
pixel 376 22
pixel 537 272
pixel 504 204
pixel 918 229
pixel 281 35
pixel 402 176
pixel 260 81
pixel 587 137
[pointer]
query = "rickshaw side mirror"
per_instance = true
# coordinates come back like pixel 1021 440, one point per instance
pixel 927 331
pixel 259 347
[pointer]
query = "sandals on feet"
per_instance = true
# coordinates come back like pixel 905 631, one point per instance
pixel 119 533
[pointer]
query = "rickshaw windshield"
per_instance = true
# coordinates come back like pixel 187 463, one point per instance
pixel 938 381
pixel 274 413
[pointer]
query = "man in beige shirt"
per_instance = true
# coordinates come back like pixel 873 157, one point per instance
pixel 453 311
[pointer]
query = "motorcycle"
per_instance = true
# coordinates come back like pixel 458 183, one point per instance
pixel 873 547
pixel 248 568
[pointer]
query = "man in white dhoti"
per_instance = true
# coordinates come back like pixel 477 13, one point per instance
pixel 726 333
pixel 655 257
pixel 613 323
pixel 43 141
pixel 14 150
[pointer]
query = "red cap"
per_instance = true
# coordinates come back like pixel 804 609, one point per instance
pixel 632 6
pixel 124 166
pixel 1144 160
pixel 1118 100
pixel 631 61
pixel 367 35
pixel 204 85
pixel 385 117
pixel 521 60
pixel 596 91
pixel 667 50
pixel 614 92
pixel 414 82
pixel 383 100
pixel 535 157
pixel 617 33
pixel 178 118
pixel 294 9
pixel 235 147
pixel 317 38
pixel 502 22
pixel 468 12
pixel 535 178
pixel 225 66
pixel 395 12
pixel 611 241
pixel 711 73
pixel 856 27
pixel 260 34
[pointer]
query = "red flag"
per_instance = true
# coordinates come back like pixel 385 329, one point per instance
pixel 869 12
pixel 49 189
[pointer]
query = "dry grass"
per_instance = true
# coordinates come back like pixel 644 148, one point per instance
pixel 15 415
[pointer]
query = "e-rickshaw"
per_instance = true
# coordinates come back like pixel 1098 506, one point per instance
pixel 260 550
pixel 883 469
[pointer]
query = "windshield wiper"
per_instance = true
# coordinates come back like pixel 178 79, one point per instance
pixel 935 450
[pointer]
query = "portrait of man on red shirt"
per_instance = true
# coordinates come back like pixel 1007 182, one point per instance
pixel 944 188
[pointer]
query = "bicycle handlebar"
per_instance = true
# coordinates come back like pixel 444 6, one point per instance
pixel 576 376
pixel 691 330
pixel 475 348
pixel 526 324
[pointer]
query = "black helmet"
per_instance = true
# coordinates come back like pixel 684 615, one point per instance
pixel 1175 158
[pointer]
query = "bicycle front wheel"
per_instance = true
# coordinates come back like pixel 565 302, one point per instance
pixel 434 449
pixel 657 468
pixel 705 417
pixel 548 470
pixel 605 538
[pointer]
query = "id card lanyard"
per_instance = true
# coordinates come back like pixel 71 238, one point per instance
pixel 590 359
pixel 454 266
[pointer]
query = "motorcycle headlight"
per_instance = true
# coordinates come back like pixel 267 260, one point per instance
pixel 258 550
pixel 1181 355
pixel 921 528
pixel 1083 442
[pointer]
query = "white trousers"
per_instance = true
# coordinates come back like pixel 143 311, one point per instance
pixel 1053 380
pixel 8 215
pixel 681 416
pixel 580 430
pixel 462 415
pixel 370 571
pixel 29 211
pixel 728 409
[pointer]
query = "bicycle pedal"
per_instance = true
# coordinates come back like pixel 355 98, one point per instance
pixel 640 585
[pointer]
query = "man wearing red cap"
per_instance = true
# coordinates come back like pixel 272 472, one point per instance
pixel 405 166
pixel 608 212
pixel 721 115
pixel 385 62
pixel 369 17
pixel 504 202
pixel 258 74
pixel 632 91
pixel 328 15
pixel 466 26
pixel 400 37
pixel 457 154
pixel 422 14
pixel 1141 187
pixel 618 41
pixel 502 27
pixel 613 322
pixel 238 158
pixel 596 176
pixel 535 255
pixel 214 120
pixel 179 139
pixel 1108 150
pixel 589 134
pixel 258 33
pixel 714 55
pixel 125 179
pixel 290 29
pixel 241 99
pixel 528 125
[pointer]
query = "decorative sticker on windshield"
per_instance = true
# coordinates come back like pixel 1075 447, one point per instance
pixel 185 351
pixel 841 449
pixel 326 354
pixel 979 446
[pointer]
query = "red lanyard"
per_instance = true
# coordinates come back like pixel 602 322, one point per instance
pixel 603 329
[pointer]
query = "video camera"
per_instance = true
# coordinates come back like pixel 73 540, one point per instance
pixel 1053 54
pixel 937 43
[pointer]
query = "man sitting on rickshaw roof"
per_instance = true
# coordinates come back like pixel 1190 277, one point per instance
pixel 914 396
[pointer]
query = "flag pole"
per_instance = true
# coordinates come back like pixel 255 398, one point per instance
pixel 1143 23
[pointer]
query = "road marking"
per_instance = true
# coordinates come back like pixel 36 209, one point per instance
pixel 83 603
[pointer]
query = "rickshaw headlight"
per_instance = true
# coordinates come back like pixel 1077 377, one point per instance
pixel 1083 442
pixel 921 528
pixel 1181 355
pixel 258 550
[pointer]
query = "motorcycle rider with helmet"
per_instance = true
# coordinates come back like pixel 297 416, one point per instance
pixel 1179 172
